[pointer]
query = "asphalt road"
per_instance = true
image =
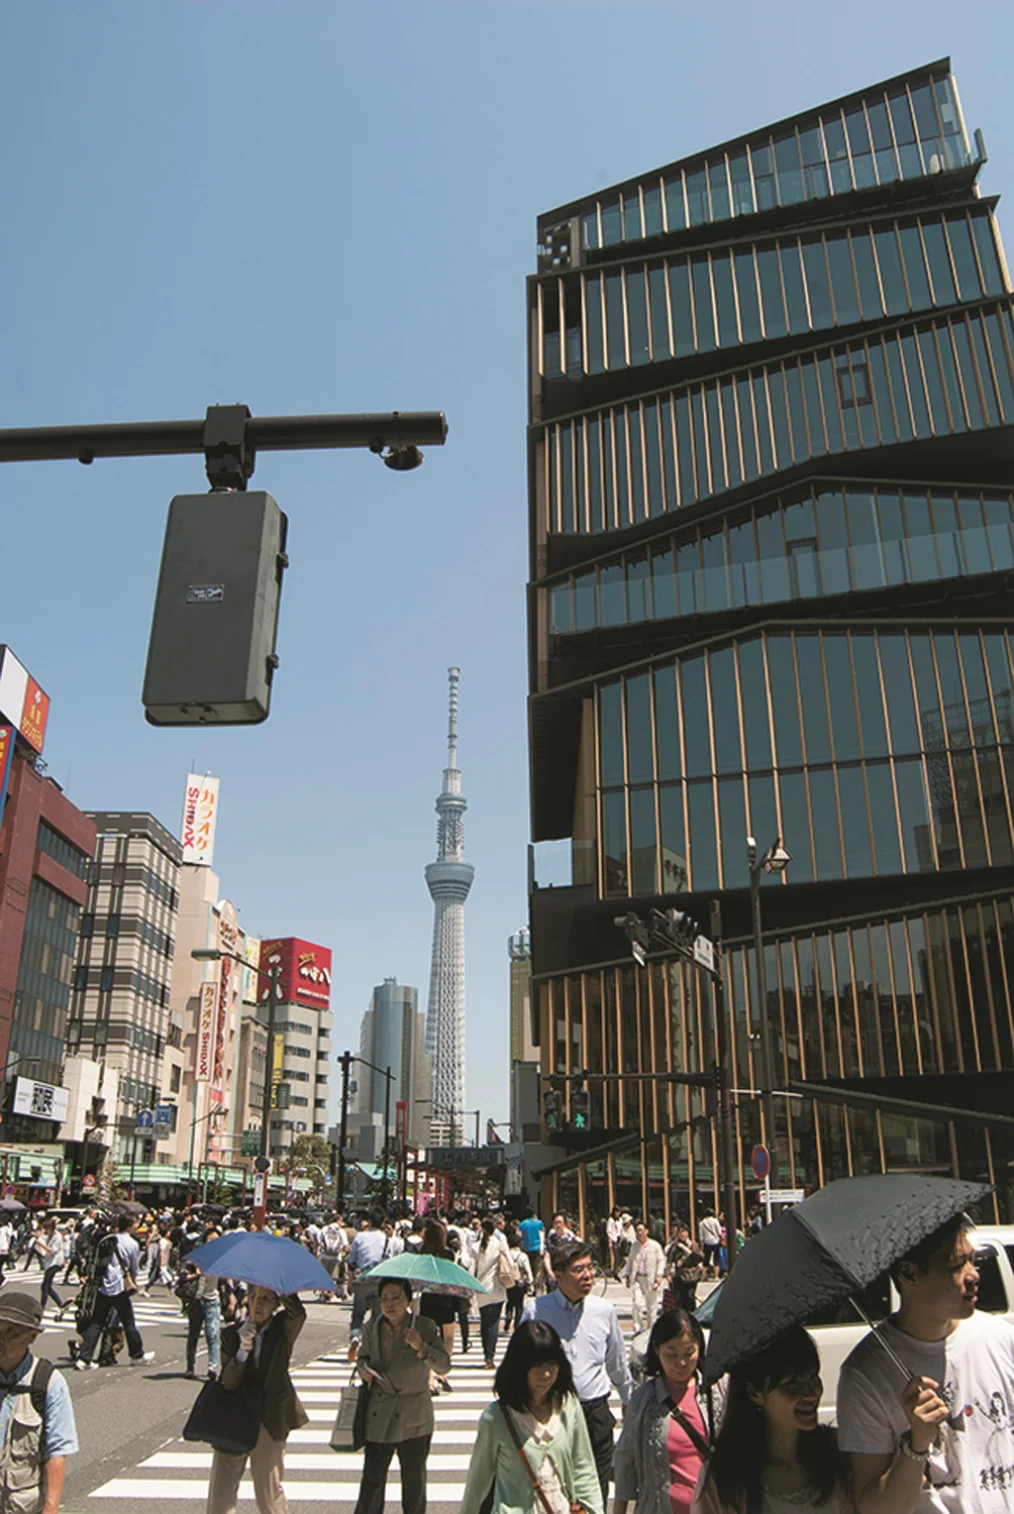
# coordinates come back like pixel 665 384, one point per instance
pixel 130 1420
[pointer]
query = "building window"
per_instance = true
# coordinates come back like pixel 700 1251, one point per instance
pixel 853 381
pixel 174 1079
pixel 113 926
pixel 106 980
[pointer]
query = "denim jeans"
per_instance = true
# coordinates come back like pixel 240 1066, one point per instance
pixel 204 1312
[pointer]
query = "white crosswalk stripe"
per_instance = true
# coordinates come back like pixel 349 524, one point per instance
pixel 313 1472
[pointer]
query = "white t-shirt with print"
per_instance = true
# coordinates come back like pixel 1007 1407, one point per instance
pixel 972 1471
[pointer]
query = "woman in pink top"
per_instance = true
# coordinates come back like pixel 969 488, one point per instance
pixel 666 1426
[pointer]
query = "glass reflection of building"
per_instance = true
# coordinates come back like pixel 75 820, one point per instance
pixel 772 401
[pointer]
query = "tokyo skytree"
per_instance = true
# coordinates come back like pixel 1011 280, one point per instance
pixel 448 880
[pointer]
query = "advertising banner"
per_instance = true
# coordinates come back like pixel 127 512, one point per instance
pixel 22 701
pixel 200 815
pixel 42 1101
pixel 206 1020
pixel 6 758
pixel 251 983
pixel 277 1059
pixel 306 972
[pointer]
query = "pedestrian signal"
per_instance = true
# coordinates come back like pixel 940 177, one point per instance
pixel 552 1111
pixel 580 1110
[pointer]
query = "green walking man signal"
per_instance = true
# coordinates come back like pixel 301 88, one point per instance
pixel 580 1110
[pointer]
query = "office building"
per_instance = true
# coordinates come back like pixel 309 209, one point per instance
pixel 523 1047
pixel 772 398
pixel 393 1035
pixel 46 846
pixel 301 1053
pixel 120 1013
pixel 449 880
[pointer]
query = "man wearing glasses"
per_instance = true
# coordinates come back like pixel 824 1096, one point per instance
pixel 589 1328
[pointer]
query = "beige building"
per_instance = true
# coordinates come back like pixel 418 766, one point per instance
pixel 522 1048
pixel 207 998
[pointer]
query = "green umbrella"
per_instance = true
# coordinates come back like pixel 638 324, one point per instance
pixel 431 1274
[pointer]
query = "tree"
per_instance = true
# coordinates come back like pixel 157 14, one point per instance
pixel 108 1187
pixel 312 1155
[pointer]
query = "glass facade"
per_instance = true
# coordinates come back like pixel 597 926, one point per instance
pixel 693 304
pixel 631 463
pixel 829 541
pixel 906 130
pixel 48 946
pixel 771 598
pixel 880 752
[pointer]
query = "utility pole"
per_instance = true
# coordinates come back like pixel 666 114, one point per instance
pixel 346 1065
pixel 269 1060
pixel 385 1191
pixel 723 1079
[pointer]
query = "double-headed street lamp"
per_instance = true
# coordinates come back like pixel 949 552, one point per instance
pixel 345 1060
pixel 775 860
pixel 450 1113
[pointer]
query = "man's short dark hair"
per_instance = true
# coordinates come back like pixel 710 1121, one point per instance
pixel 922 1254
pixel 570 1252
pixel 377 1217
pixel 529 1213
pixel 125 1222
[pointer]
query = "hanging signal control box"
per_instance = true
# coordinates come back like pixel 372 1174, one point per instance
pixel 211 658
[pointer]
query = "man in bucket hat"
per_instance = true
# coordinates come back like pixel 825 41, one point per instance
pixel 37 1431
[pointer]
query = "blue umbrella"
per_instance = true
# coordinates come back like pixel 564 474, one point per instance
pixel 272 1261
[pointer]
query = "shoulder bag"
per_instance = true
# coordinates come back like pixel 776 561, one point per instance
pixel 689 1429
pixel 537 1488
pixel 508 1274
pixel 348 1433
pixel 228 1419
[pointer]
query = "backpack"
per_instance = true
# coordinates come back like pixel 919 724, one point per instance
pixel 187 1288
pixel 38 1387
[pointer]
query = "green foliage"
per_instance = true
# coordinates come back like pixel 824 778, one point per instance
pixel 311 1155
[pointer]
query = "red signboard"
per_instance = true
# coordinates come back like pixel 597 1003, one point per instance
pixel 34 715
pixel 306 971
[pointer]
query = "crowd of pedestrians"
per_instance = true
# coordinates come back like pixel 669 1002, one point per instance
pixel 934 1438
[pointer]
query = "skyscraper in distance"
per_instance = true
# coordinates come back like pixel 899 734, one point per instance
pixel 449 880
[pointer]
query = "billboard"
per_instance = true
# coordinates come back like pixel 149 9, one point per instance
pixel 251 979
pixel 22 701
pixel 206 1021
pixel 277 1062
pixel 42 1101
pixel 200 815
pixel 306 972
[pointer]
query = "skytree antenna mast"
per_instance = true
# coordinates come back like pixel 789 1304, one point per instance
pixel 448 880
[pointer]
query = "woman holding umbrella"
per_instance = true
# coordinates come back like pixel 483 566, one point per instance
pixel 256 1354
pixel 397 1354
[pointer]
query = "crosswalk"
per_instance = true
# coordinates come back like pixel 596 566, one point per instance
pixel 160 1309
pixel 313 1472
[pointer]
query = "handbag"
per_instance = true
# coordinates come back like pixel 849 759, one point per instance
pixel 507 1273
pixel 228 1419
pixel 537 1488
pixel 348 1433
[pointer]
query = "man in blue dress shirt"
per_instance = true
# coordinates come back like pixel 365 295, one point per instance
pixel 37 1431
pixel 590 1331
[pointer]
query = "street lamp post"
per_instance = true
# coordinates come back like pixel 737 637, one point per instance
pixel 274 978
pixel 775 860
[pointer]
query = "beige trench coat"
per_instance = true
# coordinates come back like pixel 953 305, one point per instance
pixel 406 1412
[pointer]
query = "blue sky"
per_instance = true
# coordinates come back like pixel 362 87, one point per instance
pixel 319 207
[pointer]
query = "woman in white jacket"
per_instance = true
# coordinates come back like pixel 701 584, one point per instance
pixel 491 1252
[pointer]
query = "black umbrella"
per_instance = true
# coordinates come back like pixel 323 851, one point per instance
pixel 824 1250
pixel 118 1207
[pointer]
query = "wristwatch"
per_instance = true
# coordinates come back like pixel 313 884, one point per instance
pixel 907 1449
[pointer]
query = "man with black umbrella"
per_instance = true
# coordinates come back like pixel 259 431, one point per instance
pixel 943 1441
